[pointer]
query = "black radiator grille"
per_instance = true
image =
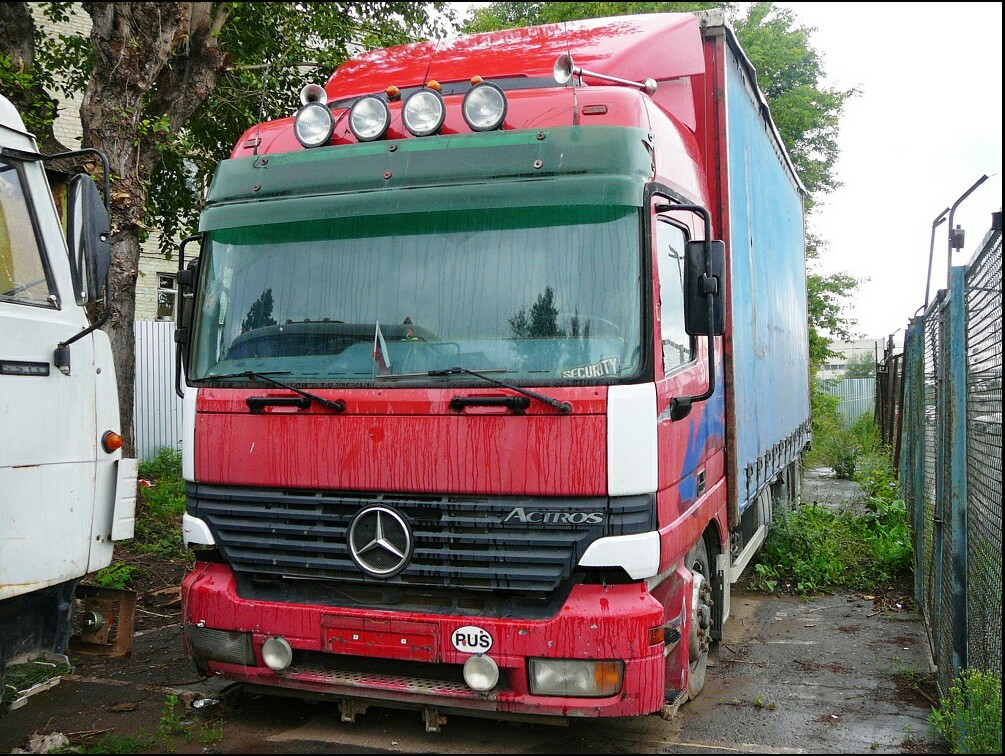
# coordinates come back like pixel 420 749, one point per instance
pixel 460 542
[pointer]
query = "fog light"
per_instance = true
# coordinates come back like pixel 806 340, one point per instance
pixel 277 654
pixel 481 673
pixel 220 645
pixel 575 679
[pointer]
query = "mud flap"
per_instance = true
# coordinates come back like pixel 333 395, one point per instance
pixel 103 624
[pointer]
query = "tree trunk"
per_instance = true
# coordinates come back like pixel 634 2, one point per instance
pixel 17 39
pixel 154 65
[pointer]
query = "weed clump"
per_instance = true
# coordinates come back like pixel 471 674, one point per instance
pixel 970 718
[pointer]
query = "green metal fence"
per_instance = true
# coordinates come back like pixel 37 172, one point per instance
pixel 951 463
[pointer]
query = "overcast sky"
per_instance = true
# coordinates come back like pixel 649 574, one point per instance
pixel 926 125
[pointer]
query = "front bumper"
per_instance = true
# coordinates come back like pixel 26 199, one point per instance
pixel 411 660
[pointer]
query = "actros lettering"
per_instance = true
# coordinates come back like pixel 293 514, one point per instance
pixel 554 518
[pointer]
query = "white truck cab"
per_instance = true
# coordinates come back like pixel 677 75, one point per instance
pixel 66 493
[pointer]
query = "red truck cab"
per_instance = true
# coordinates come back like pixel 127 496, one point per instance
pixel 456 417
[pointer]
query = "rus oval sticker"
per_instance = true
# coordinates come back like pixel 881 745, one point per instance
pixel 471 640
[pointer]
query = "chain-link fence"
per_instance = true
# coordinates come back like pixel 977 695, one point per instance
pixel 951 463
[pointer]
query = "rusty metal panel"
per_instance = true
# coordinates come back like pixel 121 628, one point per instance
pixel 104 621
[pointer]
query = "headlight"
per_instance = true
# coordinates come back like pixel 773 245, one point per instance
pixel 484 107
pixel 369 119
pixel 424 112
pixel 313 125
pixel 220 645
pixel 575 679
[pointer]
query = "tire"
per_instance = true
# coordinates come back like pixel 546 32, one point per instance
pixel 699 635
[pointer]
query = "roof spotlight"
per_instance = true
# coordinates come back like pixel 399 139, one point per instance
pixel 369 119
pixel 313 125
pixel 423 112
pixel 484 107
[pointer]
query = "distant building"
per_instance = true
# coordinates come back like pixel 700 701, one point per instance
pixel 157 285
pixel 848 350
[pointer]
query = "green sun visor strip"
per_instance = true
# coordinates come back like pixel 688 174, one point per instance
pixel 596 165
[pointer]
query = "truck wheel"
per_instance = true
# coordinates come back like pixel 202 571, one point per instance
pixel 700 634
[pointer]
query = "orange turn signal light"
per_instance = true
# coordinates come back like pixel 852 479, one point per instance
pixel 111 441
pixel 392 92
pixel 657 636
pixel 476 80
pixel 434 84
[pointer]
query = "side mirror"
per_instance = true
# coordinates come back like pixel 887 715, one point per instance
pixel 88 232
pixel 188 278
pixel 186 289
pixel 697 287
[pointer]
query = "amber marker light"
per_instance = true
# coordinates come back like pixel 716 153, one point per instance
pixel 392 92
pixel 434 84
pixel 111 441
pixel 476 80
pixel 657 636
pixel 607 677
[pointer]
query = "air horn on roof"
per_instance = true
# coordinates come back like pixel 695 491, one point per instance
pixel 565 69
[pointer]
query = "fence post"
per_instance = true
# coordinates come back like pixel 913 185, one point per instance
pixel 956 441
pixel 941 472
pixel 912 474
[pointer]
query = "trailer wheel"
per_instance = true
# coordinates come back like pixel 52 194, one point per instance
pixel 700 634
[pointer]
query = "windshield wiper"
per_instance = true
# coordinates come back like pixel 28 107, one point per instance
pixel 336 406
pixel 564 407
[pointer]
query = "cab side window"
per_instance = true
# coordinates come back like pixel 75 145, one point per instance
pixel 678 347
pixel 22 271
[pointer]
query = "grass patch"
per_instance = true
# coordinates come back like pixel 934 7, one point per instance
pixel 971 717
pixel 815 549
pixel 160 507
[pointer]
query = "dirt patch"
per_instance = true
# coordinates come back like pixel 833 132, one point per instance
pixel 915 688
pixel 849 629
pixel 807 665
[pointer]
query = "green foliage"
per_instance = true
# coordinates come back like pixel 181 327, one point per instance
pixel 815 548
pixel 274 49
pixel 212 733
pixel 971 717
pixel 116 575
pixel 110 743
pixel 166 495
pixel 171 722
pixel 161 503
pixel 271 51
pixel 861 366
pixel 830 447
pixel 790 73
pixel 826 300
pixel 17 83
pixel 496 16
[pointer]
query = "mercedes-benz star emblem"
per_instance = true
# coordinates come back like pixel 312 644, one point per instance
pixel 380 542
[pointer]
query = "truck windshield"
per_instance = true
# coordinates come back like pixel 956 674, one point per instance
pixel 546 294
